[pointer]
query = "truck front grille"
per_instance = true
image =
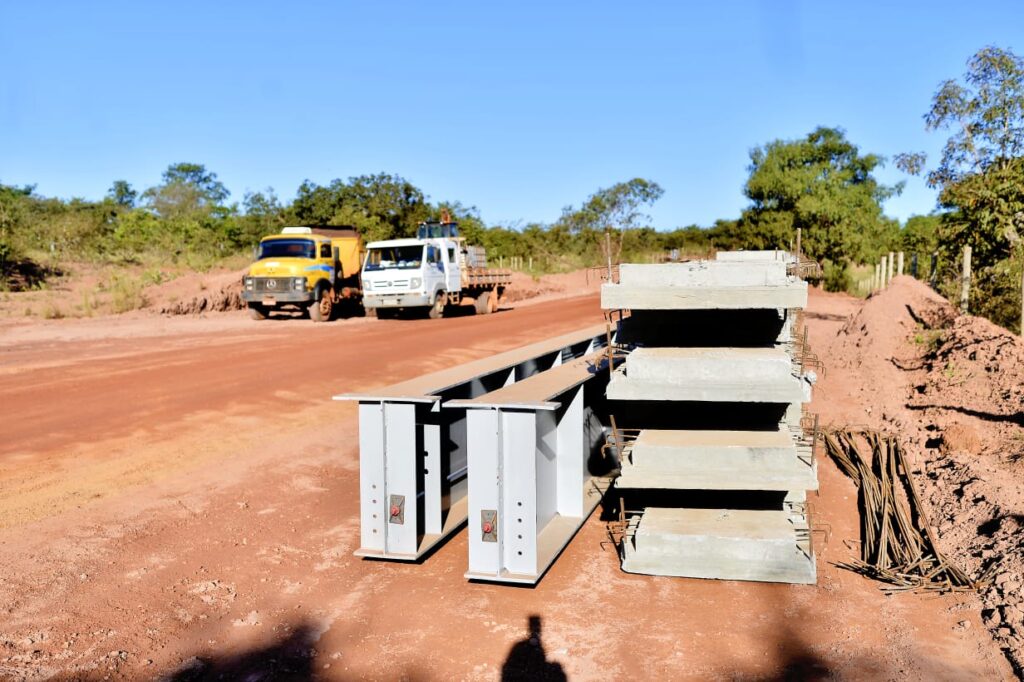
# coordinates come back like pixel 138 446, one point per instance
pixel 271 285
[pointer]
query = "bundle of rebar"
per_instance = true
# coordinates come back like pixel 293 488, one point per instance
pixel 897 544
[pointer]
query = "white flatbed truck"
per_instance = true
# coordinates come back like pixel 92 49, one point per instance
pixel 431 272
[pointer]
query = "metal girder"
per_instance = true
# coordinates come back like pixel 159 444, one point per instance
pixel 530 489
pixel 412 452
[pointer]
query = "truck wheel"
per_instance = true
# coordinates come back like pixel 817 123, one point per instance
pixel 436 311
pixel 386 313
pixel 258 312
pixel 483 303
pixel 320 311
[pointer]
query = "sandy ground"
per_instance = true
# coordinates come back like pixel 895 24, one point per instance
pixel 179 499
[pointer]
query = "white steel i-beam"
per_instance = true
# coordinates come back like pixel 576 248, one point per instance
pixel 530 488
pixel 413 457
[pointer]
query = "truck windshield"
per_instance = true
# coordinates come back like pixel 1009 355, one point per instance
pixel 400 257
pixel 286 248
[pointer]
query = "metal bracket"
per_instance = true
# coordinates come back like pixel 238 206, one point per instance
pixel 489 525
pixel 396 509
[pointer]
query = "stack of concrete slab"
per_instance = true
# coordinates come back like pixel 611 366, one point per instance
pixel 721 497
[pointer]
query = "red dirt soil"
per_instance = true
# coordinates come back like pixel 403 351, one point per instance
pixel 179 499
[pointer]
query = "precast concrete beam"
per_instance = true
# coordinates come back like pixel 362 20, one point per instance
pixel 633 297
pixel 723 544
pixel 705 285
pixel 709 374
pixel 705 273
pixel 748 256
pixel 717 460
pixel 413 462
pixel 530 489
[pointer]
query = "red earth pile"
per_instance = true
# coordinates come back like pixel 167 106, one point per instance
pixel 953 387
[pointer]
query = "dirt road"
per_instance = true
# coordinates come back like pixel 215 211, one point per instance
pixel 181 499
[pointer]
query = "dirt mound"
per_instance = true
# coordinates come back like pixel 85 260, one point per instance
pixel 525 286
pixel 197 293
pixel 978 368
pixel 953 387
pixel 881 326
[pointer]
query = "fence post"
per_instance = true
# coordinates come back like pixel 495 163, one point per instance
pixel 531 262
pixel 875 283
pixel 899 263
pixel 913 265
pixel 885 268
pixel 892 266
pixel 965 284
pixel 933 276
pixel 798 231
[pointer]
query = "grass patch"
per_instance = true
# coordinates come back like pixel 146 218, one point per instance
pixel 126 293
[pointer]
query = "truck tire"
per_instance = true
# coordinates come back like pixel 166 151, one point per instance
pixel 320 310
pixel 436 311
pixel 483 303
pixel 258 312
pixel 386 313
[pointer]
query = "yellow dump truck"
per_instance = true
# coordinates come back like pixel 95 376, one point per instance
pixel 305 268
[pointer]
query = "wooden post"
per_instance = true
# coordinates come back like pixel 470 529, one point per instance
pixel 892 266
pixel 899 263
pixel 883 282
pixel 913 265
pixel 933 275
pixel 531 263
pixel 501 261
pixel 608 248
pixel 798 231
pixel 876 282
pixel 965 283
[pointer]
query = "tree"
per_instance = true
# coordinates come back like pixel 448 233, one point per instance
pixel 823 185
pixel 980 176
pixel 122 194
pixel 187 188
pixel 382 206
pixel 618 206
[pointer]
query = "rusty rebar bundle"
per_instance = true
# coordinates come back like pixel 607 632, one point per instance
pixel 897 545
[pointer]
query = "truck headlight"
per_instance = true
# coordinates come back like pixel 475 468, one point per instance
pixel 248 283
pixel 299 283
pixel 367 285
pixel 415 283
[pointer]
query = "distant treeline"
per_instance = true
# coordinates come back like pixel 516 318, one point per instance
pixel 820 183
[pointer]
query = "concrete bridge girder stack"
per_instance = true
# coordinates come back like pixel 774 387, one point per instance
pixel 720 480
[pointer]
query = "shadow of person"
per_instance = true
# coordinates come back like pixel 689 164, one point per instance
pixel 527 661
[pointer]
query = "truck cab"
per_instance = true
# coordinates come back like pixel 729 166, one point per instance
pixel 412 273
pixel 305 270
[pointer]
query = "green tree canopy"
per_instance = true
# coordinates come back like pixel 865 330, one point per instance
pixel 824 185
pixel 187 188
pixel 618 206
pixel 981 173
pixel 381 206
pixel 122 194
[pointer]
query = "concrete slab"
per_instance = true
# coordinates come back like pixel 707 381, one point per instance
pixel 718 460
pixel 705 273
pixel 703 297
pixel 722 544
pixel 709 375
pixel 747 256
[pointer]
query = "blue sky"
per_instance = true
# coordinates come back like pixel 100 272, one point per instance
pixel 518 109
